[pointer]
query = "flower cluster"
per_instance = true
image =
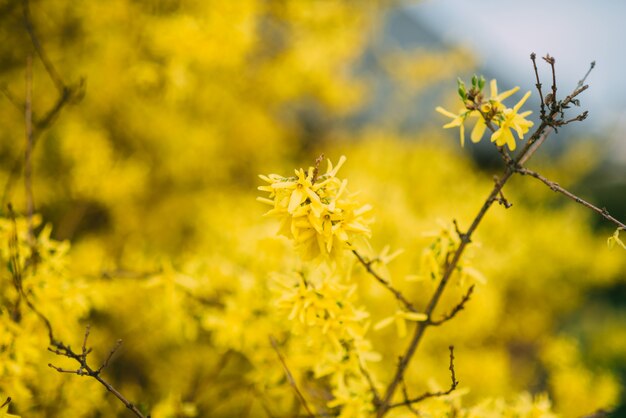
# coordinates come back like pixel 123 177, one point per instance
pixel 317 212
pixel 490 113
pixel 321 305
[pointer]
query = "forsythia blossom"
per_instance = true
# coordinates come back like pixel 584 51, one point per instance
pixel 615 239
pixel 317 212
pixel 489 112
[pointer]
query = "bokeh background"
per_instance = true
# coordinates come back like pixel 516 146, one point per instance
pixel 149 170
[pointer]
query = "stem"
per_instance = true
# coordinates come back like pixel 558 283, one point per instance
pixel 557 188
pixel 28 166
pixel 421 326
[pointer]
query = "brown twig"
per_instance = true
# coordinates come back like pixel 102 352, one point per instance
pixel 458 308
pixel 66 94
pixel 581 82
pixel 533 58
pixel 553 101
pixel 557 188
pixel 290 378
pixel 409 405
pixel 398 295
pixel 600 413
pixel 52 72
pixel 11 97
pixel 28 167
pixel 55 346
pixel 501 199
pixel 61 349
pixel 453 385
pixel 545 128
pixel 540 134
pixel 370 382
pixel 451 267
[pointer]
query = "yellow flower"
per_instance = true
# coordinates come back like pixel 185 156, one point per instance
pixel 457 120
pixel 492 107
pixel 400 317
pixel 490 110
pixel 319 214
pixel 512 121
pixel 615 239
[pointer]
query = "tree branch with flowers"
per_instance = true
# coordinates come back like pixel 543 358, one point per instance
pixel 327 223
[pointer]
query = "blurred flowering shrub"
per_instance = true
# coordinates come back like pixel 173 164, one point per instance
pixel 152 178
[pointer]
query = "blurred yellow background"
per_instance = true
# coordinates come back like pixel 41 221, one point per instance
pixel 150 173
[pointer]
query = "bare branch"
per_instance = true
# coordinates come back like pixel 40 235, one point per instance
pixel 58 347
pixel 28 166
pixel 62 349
pixel 52 72
pixel 533 57
pixel 117 345
pixel 368 266
pixel 540 134
pixel 370 382
pixel 290 378
pixel 553 101
pixel 458 308
pixel 557 188
pixel 453 385
pixel 66 94
pixel 581 82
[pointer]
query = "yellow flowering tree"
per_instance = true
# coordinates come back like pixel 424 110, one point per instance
pixel 133 218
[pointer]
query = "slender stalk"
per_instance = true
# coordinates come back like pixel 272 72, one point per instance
pixel 557 188
pixel 28 166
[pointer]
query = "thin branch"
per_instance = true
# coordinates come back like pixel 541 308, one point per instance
pixel 55 346
pixel 409 405
pixel 290 378
pixel 370 382
pixel 557 188
pixel 553 101
pixel 62 349
pixel 11 97
pixel 600 413
pixel 105 363
pixel 453 385
pixel 581 82
pixel 545 128
pixel 451 267
pixel 28 166
pixel 398 295
pixel 458 308
pixel 66 94
pixel 52 72
pixel 540 133
pixel 501 199
pixel 533 57
pixel 578 118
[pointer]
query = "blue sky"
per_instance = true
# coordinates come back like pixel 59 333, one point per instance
pixel 576 32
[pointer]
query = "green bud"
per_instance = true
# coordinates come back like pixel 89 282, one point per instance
pixel 462 91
